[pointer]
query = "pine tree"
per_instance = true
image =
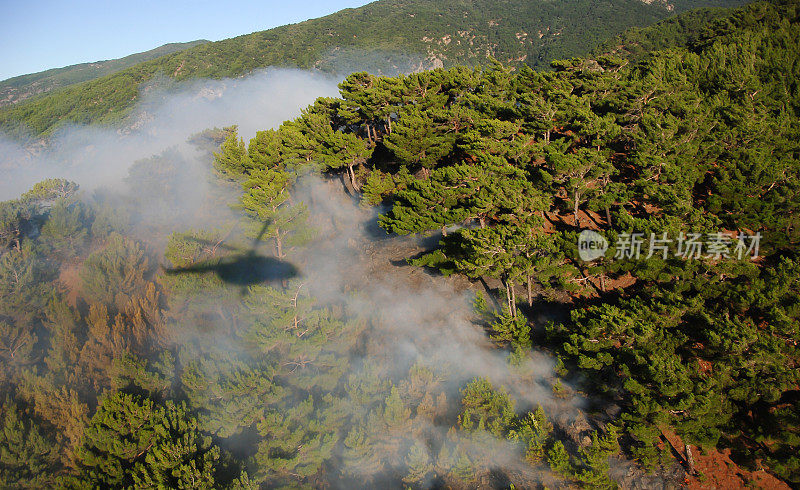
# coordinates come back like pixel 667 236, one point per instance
pixel 65 229
pixel 48 191
pixel 419 464
pixel 416 141
pixel 577 172
pixel 296 443
pixel 233 160
pixel 268 201
pixel 346 150
pixel 486 408
pixel 28 456
pixel 16 219
pixel 63 324
pixel 16 348
pixel 535 432
pixel 310 345
pixel 23 278
pixel 112 275
pixel 134 441
pixel 229 395
pixel 559 460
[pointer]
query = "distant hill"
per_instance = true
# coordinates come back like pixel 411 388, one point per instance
pixel 385 37
pixel 678 31
pixel 19 88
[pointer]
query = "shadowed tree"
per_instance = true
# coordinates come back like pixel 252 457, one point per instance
pixel 268 200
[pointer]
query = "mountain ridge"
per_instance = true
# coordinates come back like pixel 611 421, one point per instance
pixel 377 37
pixel 21 87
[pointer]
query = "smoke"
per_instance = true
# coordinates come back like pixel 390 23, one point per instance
pixel 415 318
pixel 418 319
pixel 422 316
pixel 97 157
pixel 379 62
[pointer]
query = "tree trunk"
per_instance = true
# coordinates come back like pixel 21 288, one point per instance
pixel 513 301
pixel 576 209
pixel 608 216
pixel 444 231
pixel 389 126
pixel 279 244
pixel 530 292
pixel 369 134
pixel 690 459
pixel 511 298
pixel 508 297
pixel 352 175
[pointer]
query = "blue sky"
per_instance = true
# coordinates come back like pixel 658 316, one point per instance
pixel 36 35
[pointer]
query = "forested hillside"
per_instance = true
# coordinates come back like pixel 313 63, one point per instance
pixel 385 36
pixel 390 290
pixel 694 143
pixel 22 87
pixel 678 31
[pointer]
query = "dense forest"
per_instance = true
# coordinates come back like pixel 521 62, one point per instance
pixel 261 348
pixel 387 36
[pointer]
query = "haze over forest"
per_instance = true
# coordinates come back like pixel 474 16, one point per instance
pixel 362 252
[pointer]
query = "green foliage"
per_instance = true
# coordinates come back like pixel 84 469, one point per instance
pixel 23 217
pixel 65 228
pixel 683 360
pixel 15 219
pixel 133 441
pixel 228 395
pixel 268 201
pixel 50 190
pixel 377 187
pixel 486 408
pixel 309 342
pixel 511 165
pixel 535 432
pixel 22 279
pixel 232 159
pixel 27 455
pixel 296 442
pixel 595 460
pixel 558 458
pixel 416 142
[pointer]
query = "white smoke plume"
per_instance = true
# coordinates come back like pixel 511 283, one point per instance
pixel 101 156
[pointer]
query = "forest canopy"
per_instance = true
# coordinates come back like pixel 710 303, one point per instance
pixel 202 361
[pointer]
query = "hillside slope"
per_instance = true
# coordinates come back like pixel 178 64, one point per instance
pixel 677 31
pixel 386 36
pixel 19 88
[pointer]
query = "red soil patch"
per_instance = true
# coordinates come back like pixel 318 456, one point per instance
pixel 716 470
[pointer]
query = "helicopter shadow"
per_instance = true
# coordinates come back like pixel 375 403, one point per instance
pixel 241 268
